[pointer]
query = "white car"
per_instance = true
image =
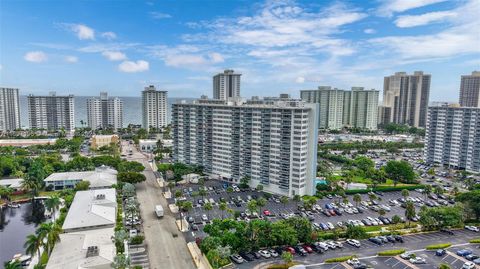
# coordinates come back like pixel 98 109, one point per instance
pixel 353 242
pixel 265 253
pixel 322 245
pixel 273 253
pixel 418 260
pixel 331 244
pixel 330 226
pixel 353 261
pixel 468 265
pixel 204 217
pixel 472 228
pixel 133 233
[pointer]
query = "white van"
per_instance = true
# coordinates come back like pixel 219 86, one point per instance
pixel 159 210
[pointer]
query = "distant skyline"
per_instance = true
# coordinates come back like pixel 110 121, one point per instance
pixel 84 47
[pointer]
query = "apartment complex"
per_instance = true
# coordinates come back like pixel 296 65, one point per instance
pixel 104 112
pixel 338 108
pixel 406 98
pixel 470 90
pixel 51 112
pixel 273 141
pixel 226 85
pixel 453 137
pixel 154 108
pixel 9 110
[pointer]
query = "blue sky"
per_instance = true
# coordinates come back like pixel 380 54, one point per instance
pixel 84 47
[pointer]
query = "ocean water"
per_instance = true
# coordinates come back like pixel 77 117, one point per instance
pixel 132 109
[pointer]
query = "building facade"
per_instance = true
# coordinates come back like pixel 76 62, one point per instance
pixel 98 141
pixel 274 142
pixel 51 112
pixel 104 112
pixel 9 110
pixel 226 85
pixel 407 97
pixel 453 137
pixel 470 90
pixel 338 108
pixel 154 108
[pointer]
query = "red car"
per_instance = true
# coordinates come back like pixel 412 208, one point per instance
pixel 290 249
pixel 266 212
pixel 307 248
pixel 332 212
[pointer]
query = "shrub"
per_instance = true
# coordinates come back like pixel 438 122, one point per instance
pixel 339 259
pixel 137 240
pixel 438 246
pixel 475 241
pixel 282 266
pixel 391 252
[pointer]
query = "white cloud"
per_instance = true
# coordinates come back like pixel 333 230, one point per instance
pixel 160 15
pixel 108 47
pixel 83 32
pixel 216 57
pixel 300 80
pixel 388 7
pixel 423 19
pixel 186 56
pixel 114 55
pixel 109 35
pixel 71 59
pixel 35 56
pixel 134 67
pixel 369 31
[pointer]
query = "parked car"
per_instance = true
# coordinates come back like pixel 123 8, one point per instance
pixel 440 252
pixel 472 228
pixel 468 265
pixel 464 252
pixel 247 256
pixel 265 253
pixel 417 260
pixel 407 255
pixel 300 250
pixel 307 248
pixel 291 250
pixel 399 238
pixel 471 257
pixel 353 242
pixel 273 253
pixel 237 259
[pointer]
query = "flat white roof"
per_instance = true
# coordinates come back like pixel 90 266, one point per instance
pixel 11 182
pixel 102 177
pixel 71 251
pixel 91 209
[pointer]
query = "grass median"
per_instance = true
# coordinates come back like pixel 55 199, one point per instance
pixel 392 252
pixel 339 259
pixel 438 246
pixel 475 241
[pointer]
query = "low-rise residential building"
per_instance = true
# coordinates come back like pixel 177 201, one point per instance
pixel 98 141
pixel 14 183
pixel 101 177
pixel 92 209
pixel 26 142
pixel 147 145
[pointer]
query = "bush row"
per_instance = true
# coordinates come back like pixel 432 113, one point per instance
pixel 438 246
pixel 391 252
pixel 339 259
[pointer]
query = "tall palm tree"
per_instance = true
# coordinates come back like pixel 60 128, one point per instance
pixel 32 185
pixel 223 207
pixel 12 265
pixel 357 198
pixel 33 244
pixel 49 233
pixel 52 204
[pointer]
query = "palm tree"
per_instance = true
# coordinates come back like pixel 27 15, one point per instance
pixel 357 198
pixel 32 185
pixel 120 261
pixel 208 207
pixel 229 191
pixel 12 265
pixel 52 204
pixel 252 206
pixel 49 234
pixel 5 192
pixel 185 207
pixel 427 190
pixel 261 202
pixel 405 193
pixel 297 199
pixel 284 200
pixel 33 244
pixel 223 207
pixel 410 211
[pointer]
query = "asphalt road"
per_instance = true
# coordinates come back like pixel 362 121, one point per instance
pixel 166 245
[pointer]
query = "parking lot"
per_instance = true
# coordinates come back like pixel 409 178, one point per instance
pixel 215 192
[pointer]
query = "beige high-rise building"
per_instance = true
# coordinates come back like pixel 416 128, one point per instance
pixel 9 109
pixel 406 98
pixel 154 108
pixel 362 108
pixel 470 90
pixel 105 112
pixel 226 85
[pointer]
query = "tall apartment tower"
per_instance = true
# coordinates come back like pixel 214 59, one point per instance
pixel 273 141
pixel 51 112
pixel 452 137
pixel 226 85
pixel 331 104
pixel 361 108
pixel 407 98
pixel 105 112
pixel 154 108
pixel 9 110
pixel 470 90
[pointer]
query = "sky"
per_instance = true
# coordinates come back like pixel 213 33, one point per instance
pixel 84 47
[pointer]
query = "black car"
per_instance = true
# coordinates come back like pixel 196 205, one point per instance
pixel 376 241
pixel 390 238
pixel 399 238
pixel 360 210
pixel 337 211
pixel 247 256
pixel 360 266
pixel 256 254
pixel 440 252
pixel 300 250
pixel 317 248
pixel 471 257
pixel 447 231
pixel 279 250
pixel 194 227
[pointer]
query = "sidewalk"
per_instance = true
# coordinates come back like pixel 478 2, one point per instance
pixel 199 260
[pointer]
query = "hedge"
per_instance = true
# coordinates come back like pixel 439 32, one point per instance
pixel 391 252
pixel 282 266
pixel 388 189
pixel 475 241
pixel 339 259
pixel 438 246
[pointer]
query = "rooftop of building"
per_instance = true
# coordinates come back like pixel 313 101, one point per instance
pixel 284 102
pixel 102 176
pixel 27 142
pixel 83 249
pixel 104 136
pixel 13 183
pixel 90 209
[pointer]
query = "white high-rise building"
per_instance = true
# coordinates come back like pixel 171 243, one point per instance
pixel 470 90
pixel 272 141
pixel 226 85
pixel 154 108
pixel 51 112
pixel 338 108
pixel 453 137
pixel 104 112
pixel 9 110
pixel 406 98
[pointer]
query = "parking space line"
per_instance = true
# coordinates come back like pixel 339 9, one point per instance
pixel 406 263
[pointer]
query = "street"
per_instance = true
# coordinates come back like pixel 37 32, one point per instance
pixel 166 245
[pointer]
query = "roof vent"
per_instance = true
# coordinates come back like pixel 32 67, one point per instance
pixel 92 251
pixel 100 196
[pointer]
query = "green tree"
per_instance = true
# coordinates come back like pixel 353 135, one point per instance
pixel 297 199
pixel 400 171
pixel 252 206
pixel 287 257
pixel 5 192
pixel 438 190
pixel 13 265
pixel 261 202
pixel 121 261
pixel 471 200
pixel 130 177
pixel 405 193
pixel 444 266
pixel 223 207
pixel 229 190
pixel 357 198
pixel 364 163
pixel 259 187
pixel 441 217
pixel 33 244
pixel 82 185
pixel 355 232
pixel 284 200
pixel 208 206
pixel 381 212
pixel 309 201
pixel 410 211
pixel 52 204
pixel 244 182
pixel 396 219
